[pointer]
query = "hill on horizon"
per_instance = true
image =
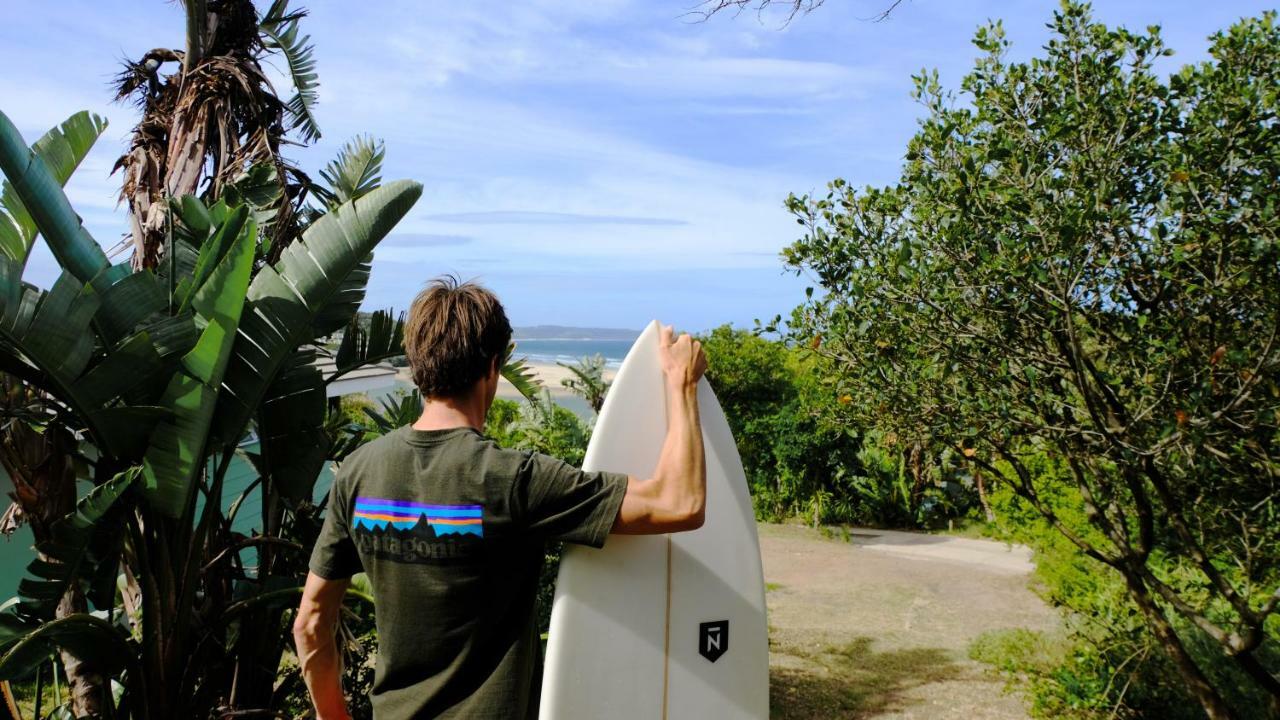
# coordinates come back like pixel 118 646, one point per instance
pixel 567 332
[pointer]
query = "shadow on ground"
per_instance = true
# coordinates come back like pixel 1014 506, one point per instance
pixel 852 680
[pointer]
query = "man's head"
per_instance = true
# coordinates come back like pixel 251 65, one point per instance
pixel 457 334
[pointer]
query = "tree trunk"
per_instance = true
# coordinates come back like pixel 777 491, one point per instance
pixel 85 684
pixel 1261 675
pixel 982 495
pixel 1214 706
pixel 44 491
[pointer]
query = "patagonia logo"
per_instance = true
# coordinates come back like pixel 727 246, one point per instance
pixel 420 519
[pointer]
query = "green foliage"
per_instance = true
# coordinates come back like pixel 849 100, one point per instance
pixel 166 368
pixel 355 171
pixel 280 33
pixel 539 425
pixel 1079 262
pixel 801 451
pixel 588 380
pixel 177 449
pixel 61 150
pixel 1108 663
pixel 83 551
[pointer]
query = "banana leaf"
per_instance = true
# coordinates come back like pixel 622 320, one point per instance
pixel 84 549
pixel 40 192
pixel 279 28
pixel 47 340
pixel 61 149
pixel 285 298
pixel 89 638
pixel 517 372
pixel 178 444
pixel 383 339
pixel 290 425
pixel 35 184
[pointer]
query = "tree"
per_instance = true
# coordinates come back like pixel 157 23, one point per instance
pixel 588 380
pixel 161 373
pixel 1082 260
pixel 216 115
pixel 158 373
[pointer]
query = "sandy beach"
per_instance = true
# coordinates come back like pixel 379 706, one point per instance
pixel 549 374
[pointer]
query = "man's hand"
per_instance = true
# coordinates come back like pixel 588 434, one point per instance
pixel 682 359
pixel 675 498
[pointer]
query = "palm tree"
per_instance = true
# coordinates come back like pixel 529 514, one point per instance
pixel 588 380
pixel 215 116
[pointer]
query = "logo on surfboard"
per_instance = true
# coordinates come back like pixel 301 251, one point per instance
pixel 713 639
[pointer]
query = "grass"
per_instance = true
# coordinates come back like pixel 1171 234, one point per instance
pixel 771 586
pixel 24 695
pixel 853 679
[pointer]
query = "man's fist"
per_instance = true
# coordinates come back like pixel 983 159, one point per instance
pixel 682 359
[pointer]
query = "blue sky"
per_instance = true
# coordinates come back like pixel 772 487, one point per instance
pixel 596 162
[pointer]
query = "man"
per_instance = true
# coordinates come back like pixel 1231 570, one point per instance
pixel 451 528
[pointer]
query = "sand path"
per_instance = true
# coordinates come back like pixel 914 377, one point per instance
pixel 878 626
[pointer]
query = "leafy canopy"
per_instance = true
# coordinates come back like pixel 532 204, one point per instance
pixel 1082 258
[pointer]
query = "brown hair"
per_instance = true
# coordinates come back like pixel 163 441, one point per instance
pixel 454 332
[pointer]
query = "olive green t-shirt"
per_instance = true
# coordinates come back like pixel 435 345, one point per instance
pixel 451 529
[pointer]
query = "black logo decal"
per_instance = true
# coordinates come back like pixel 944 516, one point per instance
pixel 713 639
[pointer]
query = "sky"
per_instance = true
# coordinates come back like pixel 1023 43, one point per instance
pixel 595 162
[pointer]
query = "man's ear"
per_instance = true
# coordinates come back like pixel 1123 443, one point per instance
pixel 497 365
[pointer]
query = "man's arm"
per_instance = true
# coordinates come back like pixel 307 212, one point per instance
pixel 314 631
pixel 674 499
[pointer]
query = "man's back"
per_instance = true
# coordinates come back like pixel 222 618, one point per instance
pixel 450 530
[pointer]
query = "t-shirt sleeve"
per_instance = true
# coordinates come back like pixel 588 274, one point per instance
pixel 561 502
pixel 334 556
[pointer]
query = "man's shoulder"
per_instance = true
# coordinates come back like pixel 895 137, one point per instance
pixel 376 450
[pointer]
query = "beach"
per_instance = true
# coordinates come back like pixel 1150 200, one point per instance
pixel 549 373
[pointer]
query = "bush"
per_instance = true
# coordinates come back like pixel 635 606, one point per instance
pixel 805 457
pixel 1108 664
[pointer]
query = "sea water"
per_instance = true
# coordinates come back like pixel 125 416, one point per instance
pixel 572 350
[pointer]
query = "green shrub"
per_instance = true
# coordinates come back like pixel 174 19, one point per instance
pixel 1108 663
pixel 804 456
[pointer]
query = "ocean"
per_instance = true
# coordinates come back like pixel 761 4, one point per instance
pixel 571 350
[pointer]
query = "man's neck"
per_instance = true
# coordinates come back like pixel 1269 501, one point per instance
pixel 449 413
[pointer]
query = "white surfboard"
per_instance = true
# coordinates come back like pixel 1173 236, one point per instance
pixel 663 626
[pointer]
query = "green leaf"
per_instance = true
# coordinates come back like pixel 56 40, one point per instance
pixel 89 638
pixel 518 373
pixel 285 298
pixel 36 186
pixel 345 303
pixel 61 150
pixel 383 339
pixel 290 426
pixel 356 170
pixel 178 444
pixel 85 546
pixel 279 29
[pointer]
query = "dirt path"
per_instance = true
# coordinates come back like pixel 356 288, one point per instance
pixel 879 626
